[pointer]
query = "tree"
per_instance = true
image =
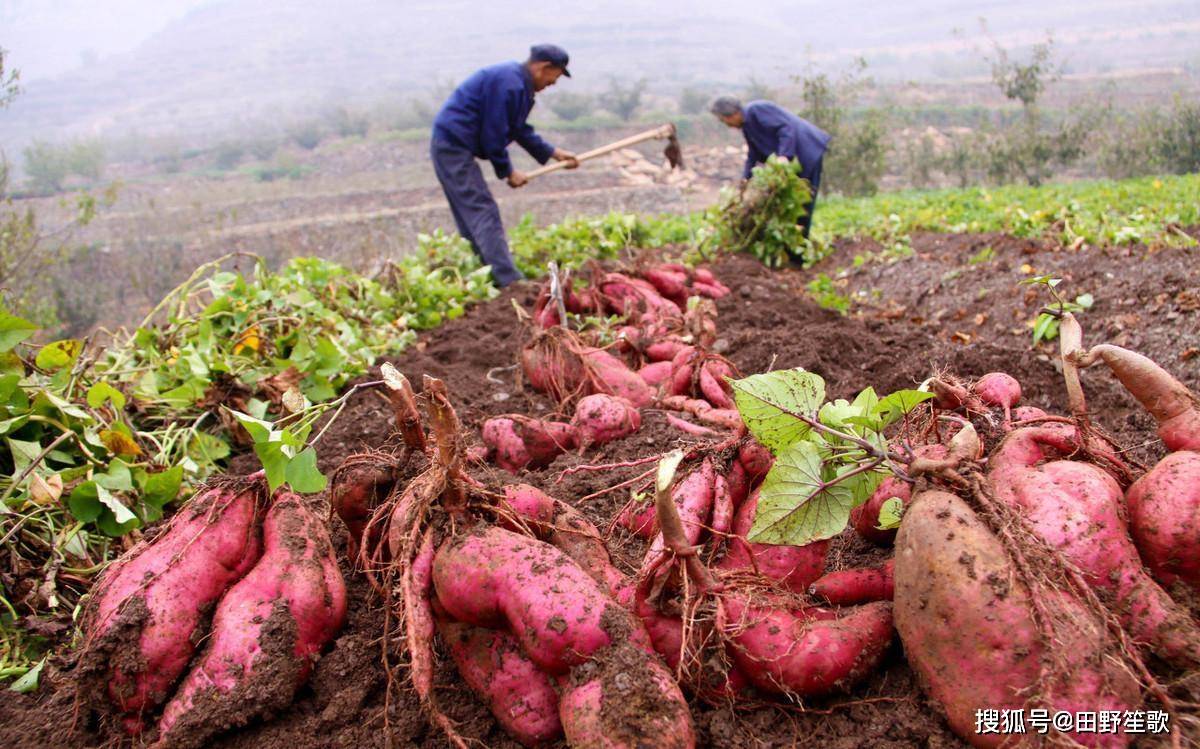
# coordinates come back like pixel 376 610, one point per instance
pixel 570 107
pixel 9 79
pixel 692 101
pixel 623 101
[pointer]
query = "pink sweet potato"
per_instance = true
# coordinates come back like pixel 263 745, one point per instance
pixel 358 486
pixel 851 586
pixel 1164 515
pixel 494 578
pixel 865 517
pixel 967 621
pixel 633 297
pixel 672 284
pixel 601 418
pixel 521 442
pixel 806 652
pixel 519 694
pixel 656 373
pixel 148 608
pixel 998 389
pixel 551 364
pixel 1027 413
pixel 665 350
pixel 610 375
pixel 624 700
pixel 693 495
pixel 794 566
pixel 1077 509
pixel 267 630
pixel 1173 406
pixel 756 459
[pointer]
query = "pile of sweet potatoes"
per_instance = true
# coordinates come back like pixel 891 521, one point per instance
pixel 268 568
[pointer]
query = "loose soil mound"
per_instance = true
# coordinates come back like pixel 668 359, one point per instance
pixel 908 329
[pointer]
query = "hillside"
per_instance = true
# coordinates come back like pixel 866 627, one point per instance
pixel 232 61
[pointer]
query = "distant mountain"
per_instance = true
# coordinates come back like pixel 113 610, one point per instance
pixel 233 61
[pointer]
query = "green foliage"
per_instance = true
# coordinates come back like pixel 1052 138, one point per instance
pixel 693 101
pixel 282 167
pixel 1045 326
pixel 48 165
pixel 570 106
pixel 761 218
pixel 856 160
pixel 228 154
pixel 348 124
pixel 1146 210
pixel 824 292
pixel 1179 145
pixel 756 89
pixel 308 135
pixel 9 82
pixel 829 455
pixel 622 100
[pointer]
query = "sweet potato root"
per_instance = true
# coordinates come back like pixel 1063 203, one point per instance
pixel 519 694
pixel 851 586
pixel 521 442
pixel 1164 516
pixel 968 625
pixel 794 566
pixel 601 418
pixel 865 517
pixel 267 631
pixel 144 621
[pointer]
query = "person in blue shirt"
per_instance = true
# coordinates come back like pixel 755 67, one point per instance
pixel 771 129
pixel 483 115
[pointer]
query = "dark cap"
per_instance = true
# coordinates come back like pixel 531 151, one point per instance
pixel 551 53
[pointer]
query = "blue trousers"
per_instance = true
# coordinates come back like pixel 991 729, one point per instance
pixel 814 179
pixel 475 211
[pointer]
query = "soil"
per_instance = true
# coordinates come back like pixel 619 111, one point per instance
pixel 936 310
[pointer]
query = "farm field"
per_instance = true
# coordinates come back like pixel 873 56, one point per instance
pixel 903 287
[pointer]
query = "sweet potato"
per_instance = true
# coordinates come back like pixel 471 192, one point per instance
pixel 608 374
pixel 519 694
pixel 1076 508
pixel 713 385
pixel 865 517
pixel 267 630
pixel 148 608
pixel 1173 406
pixel 656 373
pixel 1164 515
pixel 794 566
pixel 966 617
pixel 358 486
pixel 551 364
pixel 602 418
pixel 998 389
pixel 693 495
pixel 521 442
pixel 851 586
pixel 1027 413
pixel 806 652
pixel 495 578
pixel 672 284
pixel 623 699
pixel 665 350
pixel 756 459
pixel 633 297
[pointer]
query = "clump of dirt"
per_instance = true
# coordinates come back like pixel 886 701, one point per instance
pixel 767 322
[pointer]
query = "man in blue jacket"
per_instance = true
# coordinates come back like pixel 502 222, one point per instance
pixel 483 115
pixel 771 129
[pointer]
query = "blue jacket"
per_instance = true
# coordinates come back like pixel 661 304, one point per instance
pixel 771 129
pixel 488 111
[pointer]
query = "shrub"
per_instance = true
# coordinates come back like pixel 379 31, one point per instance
pixel 307 135
pixel 570 107
pixel 228 155
pixel 693 101
pixel 621 100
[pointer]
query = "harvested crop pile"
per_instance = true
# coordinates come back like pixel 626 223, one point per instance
pixel 879 703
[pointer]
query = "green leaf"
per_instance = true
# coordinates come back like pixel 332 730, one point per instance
pixel 29 680
pixel 23 452
pixel 101 392
pixel 274 462
pixel 120 512
pixel 302 473
pixel 797 506
pixel 895 405
pixel 13 330
pixel 767 401
pixel 117 478
pixel 10 363
pixel 1042 328
pixel 259 430
pixel 890 513
pixel 84 502
pixel 158 489
pixel 59 354
pixel 207 449
pixel 1085 301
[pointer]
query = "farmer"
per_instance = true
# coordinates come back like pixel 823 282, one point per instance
pixel 483 115
pixel 771 129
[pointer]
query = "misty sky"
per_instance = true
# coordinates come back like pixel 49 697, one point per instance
pixel 47 38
